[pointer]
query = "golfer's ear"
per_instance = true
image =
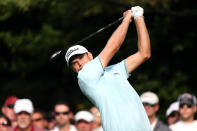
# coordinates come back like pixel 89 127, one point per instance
pixel 90 55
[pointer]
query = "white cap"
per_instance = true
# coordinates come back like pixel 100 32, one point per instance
pixel 149 97
pixel 74 50
pixel 84 115
pixel 23 105
pixel 173 107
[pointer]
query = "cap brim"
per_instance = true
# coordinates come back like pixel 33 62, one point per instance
pixel 73 56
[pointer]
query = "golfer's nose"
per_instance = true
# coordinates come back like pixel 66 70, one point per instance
pixel 80 64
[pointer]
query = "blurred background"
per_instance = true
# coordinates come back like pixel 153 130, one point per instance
pixel 32 30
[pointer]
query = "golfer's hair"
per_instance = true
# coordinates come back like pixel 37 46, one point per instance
pixel 73 57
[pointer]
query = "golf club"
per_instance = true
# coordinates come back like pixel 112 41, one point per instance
pixel 62 52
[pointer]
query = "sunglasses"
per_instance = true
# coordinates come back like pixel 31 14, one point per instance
pixel 148 104
pixel 11 106
pixel 185 105
pixel 63 113
pixel 4 123
pixel 37 119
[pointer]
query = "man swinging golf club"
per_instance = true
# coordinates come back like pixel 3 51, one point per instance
pixel 107 87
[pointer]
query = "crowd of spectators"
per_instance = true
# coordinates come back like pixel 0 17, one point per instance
pixel 20 115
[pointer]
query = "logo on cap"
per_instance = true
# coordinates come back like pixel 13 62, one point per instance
pixel 74 50
pixel 71 51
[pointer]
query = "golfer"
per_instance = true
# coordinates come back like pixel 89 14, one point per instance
pixel 107 87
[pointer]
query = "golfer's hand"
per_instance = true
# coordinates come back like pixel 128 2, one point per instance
pixel 137 11
pixel 127 15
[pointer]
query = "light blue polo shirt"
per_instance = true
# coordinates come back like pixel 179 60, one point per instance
pixel 109 90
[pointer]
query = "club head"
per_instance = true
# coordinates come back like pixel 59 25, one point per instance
pixel 56 55
pixel 57 62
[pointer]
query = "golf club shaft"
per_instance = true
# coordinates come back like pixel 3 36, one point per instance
pixel 98 31
pixel 58 53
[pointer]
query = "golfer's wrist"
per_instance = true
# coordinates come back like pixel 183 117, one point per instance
pixel 127 19
pixel 139 18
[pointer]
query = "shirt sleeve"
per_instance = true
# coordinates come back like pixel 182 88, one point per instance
pixel 127 74
pixel 121 68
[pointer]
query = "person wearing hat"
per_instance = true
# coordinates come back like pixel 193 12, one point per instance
pixel 106 86
pixel 172 113
pixel 187 109
pixel 23 109
pixel 151 104
pixel 83 121
pixel 8 111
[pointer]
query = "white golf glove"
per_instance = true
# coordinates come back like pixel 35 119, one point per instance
pixel 137 11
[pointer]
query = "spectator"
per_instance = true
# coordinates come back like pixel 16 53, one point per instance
pixel 151 104
pixel 84 120
pixel 61 112
pixel 4 123
pixel 96 124
pixel 187 109
pixel 8 110
pixel 23 109
pixel 38 119
pixel 172 113
pixel 50 121
pixel 71 117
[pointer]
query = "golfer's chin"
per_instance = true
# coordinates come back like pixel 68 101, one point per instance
pixel 77 70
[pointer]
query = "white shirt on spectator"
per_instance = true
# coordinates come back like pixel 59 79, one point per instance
pixel 72 128
pixel 153 124
pixel 184 126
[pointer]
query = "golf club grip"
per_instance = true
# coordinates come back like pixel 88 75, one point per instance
pixel 100 30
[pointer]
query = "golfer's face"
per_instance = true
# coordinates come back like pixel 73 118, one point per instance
pixel 78 63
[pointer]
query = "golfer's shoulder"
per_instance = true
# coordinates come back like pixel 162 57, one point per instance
pixel 92 70
pixel 118 67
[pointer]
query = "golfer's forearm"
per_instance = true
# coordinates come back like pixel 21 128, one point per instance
pixel 143 38
pixel 118 36
pixel 114 42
